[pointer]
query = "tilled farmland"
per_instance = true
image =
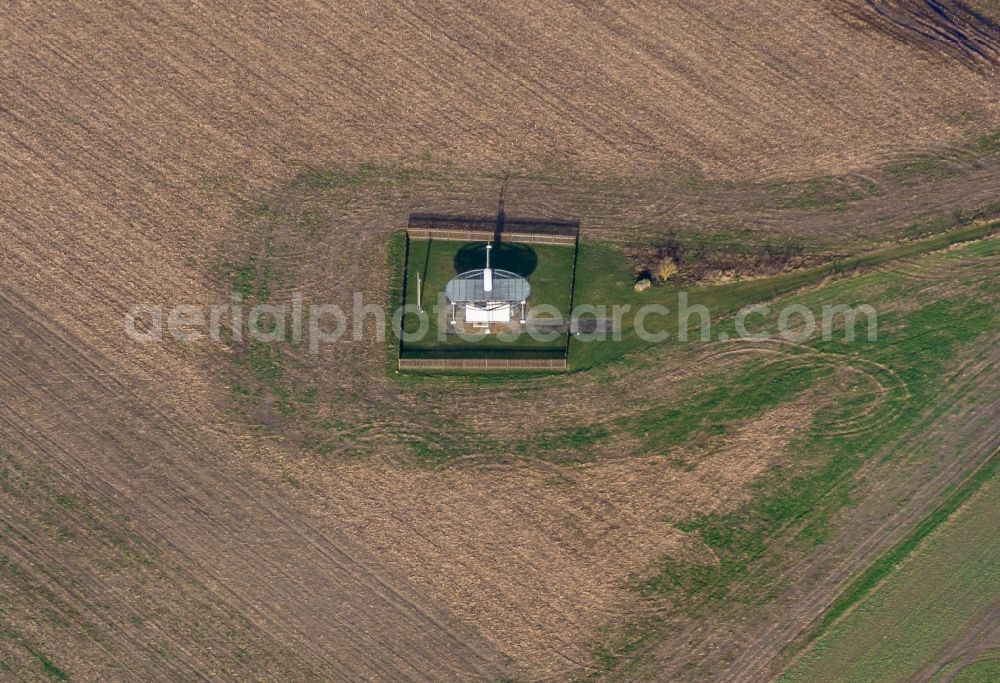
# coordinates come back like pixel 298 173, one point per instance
pixel 158 527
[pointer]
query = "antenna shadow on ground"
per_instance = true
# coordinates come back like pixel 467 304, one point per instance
pixel 515 257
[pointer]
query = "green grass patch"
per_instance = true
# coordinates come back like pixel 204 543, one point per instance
pixel 792 507
pixel 605 279
pixel 918 347
pixel 919 597
pixel 614 649
pixel 885 565
pixel 434 448
pixel 577 442
pixel 711 411
pixel 919 167
pixel 242 278
pixel 817 194
pixel 397 257
pixel 986 670
pixel 50 669
pixel 982 249
pixel 263 365
pixel 430 264
pixel 988 144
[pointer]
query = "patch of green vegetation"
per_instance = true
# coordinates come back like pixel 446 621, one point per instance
pixel 727 401
pixel 605 279
pixel 264 210
pixel 885 565
pixel 311 220
pixel 578 441
pixel 922 343
pixel 397 257
pixel 615 648
pixel 817 194
pixel 432 263
pixel 915 347
pixel 933 225
pixel 433 449
pixel 984 213
pixel 263 364
pixel 986 670
pixel 982 249
pixel 988 144
pixel 242 278
pixel 251 279
pixel 50 669
pixel 929 226
pixel 583 437
pixel 925 595
pixel 919 167
pixel 263 360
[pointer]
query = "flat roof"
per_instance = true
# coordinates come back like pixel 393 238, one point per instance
pixel 467 288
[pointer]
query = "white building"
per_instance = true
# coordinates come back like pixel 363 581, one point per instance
pixel 487 295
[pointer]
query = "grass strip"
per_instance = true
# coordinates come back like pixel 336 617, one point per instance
pixel 885 565
pixel 607 280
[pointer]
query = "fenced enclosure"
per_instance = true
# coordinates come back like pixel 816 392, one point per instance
pixel 484 364
pixel 439 247
pixel 502 229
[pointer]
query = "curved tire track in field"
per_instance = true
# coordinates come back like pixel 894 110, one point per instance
pixel 891 391
pixel 940 270
pixel 978 643
pixel 756 654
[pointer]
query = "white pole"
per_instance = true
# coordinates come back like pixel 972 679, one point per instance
pixel 487 272
pixel 419 307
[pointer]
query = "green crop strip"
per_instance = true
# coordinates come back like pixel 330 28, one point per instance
pixel 885 565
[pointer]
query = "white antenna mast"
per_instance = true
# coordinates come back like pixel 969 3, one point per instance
pixel 488 272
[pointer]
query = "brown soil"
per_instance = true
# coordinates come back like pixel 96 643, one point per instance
pixel 538 556
pixel 150 533
pixel 951 28
pixel 136 547
pixel 751 646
